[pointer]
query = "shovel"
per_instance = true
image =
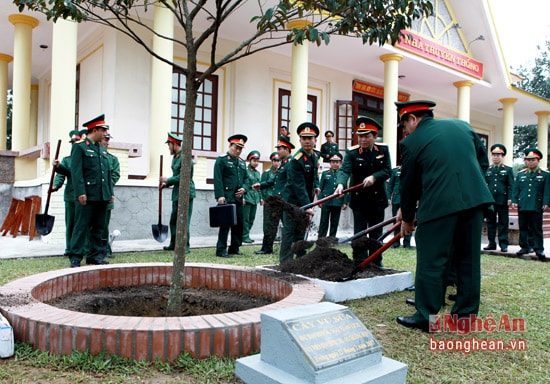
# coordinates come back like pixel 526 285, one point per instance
pixel 325 199
pixel 43 221
pixel 366 262
pixel 160 231
pixel 368 230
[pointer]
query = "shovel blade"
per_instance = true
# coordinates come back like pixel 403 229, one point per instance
pixel 44 223
pixel 160 232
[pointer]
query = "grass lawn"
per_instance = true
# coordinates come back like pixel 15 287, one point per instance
pixel 510 287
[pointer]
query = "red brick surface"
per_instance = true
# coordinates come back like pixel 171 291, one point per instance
pixel 231 334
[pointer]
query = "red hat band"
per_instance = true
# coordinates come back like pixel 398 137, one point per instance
pixel 237 141
pixel 413 108
pixel 173 140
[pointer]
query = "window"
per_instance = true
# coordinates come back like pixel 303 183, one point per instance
pixel 206 111
pixel 346 114
pixel 284 108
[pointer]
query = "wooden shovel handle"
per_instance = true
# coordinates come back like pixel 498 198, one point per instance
pixel 325 199
pixel 51 178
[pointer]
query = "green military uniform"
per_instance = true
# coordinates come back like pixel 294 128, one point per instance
pixel 299 190
pixel 531 191
pixel 368 204
pixel 252 198
pixel 452 195
pixel 174 181
pixel 328 150
pixel 500 180
pixel 395 197
pixel 330 211
pixel 115 177
pixel 91 176
pixel 229 176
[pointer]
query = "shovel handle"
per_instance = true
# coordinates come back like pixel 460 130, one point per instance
pixel 51 178
pixel 325 199
pixel 160 192
pixel 368 230
pixel 379 251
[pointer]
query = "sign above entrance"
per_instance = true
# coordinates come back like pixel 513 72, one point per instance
pixel 440 54
pixel 375 90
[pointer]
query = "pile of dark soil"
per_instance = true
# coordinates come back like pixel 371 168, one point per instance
pixel 298 215
pixel 330 264
pixel 152 300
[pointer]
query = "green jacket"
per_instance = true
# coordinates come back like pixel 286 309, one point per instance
pixel 500 180
pixel 62 172
pixel 531 190
pixel 268 180
pixel 252 196
pixel 301 178
pixel 328 183
pixel 328 150
pixel 174 180
pixel 90 171
pixel 115 174
pixel 393 186
pixel 443 162
pixel 229 176
pixel 360 163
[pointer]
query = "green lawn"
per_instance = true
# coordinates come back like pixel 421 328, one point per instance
pixel 510 287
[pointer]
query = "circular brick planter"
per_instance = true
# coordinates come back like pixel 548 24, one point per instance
pixel 60 331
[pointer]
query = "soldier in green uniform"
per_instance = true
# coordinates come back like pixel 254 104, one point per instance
pixel 253 197
pixel 370 164
pixel 174 146
pixel 230 179
pixel 500 180
pixel 301 186
pixel 330 211
pixel 115 176
pixel 329 148
pixel 91 177
pixel 63 171
pixel 395 200
pixel 531 197
pixel 451 196
pixel 274 184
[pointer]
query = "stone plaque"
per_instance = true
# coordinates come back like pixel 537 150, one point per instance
pixel 331 338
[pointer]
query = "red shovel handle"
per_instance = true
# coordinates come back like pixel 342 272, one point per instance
pixel 379 251
pixel 325 199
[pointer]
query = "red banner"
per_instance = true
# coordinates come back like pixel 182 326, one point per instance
pixel 375 90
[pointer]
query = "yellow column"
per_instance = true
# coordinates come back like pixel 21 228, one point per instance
pixel 542 135
pixel 463 99
pixel 391 90
pixel 33 117
pixel 22 54
pixel 63 89
pixel 161 87
pixel 299 81
pixel 4 61
pixel 508 126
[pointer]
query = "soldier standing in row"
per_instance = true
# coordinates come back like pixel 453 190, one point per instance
pixel 301 187
pixel 370 164
pixel 253 197
pixel 230 179
pixel 272 216
pixel 91 177
pixel 531 196
pixel 115 176
pixel 329 148
pixel 330 211
pixel 500 180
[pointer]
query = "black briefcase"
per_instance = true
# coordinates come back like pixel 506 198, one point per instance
pixel 224 215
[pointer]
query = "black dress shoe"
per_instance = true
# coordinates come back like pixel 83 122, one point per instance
pixel 410 302
pixel 452 297
pixel 248 241
pixel 522 251
pixel 410 322
pixel 395 245
pixel 504 249
pixel 237 252
pixel 262 252
pixel 490 247
pixel 541 256
pixel 96 262
pixel 75 264
pixel 410 289
pixel 168 248
pixel 223 254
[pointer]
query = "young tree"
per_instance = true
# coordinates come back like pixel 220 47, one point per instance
pixel 378 22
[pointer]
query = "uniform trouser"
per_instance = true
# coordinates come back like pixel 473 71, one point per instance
pixel 497 218
pixel 362 219
pixel 249 214
pixel 69 224
pixel 88 231
pixel 406 238
pixel 174 223
pixel 454 238
pixel 105 238
pixel 236 234
pixel 271 224
pixel 530 230
pixel 329 214
pixel 291 234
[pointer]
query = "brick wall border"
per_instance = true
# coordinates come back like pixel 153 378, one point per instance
pixel 232 334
